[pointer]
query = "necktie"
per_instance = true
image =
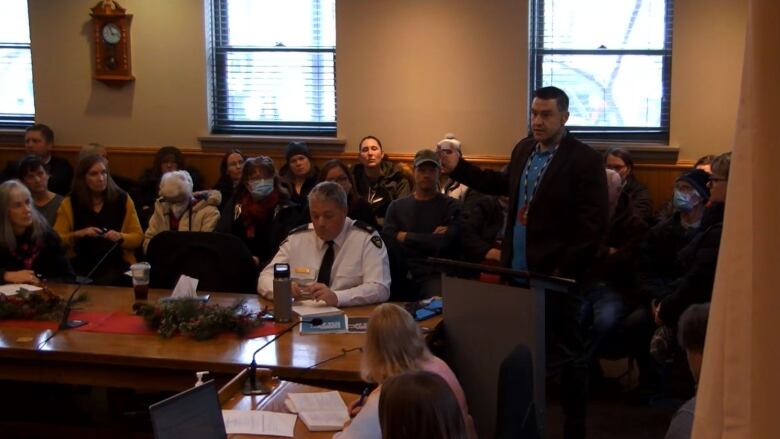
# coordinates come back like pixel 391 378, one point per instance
pixel 323 275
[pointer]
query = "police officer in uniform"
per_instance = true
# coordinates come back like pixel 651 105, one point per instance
pixel 349 256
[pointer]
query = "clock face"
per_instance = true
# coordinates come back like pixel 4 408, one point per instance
pixel 111 33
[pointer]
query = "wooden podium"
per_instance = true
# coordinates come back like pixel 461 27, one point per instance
pixel 484 322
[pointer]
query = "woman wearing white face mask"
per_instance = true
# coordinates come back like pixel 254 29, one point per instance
pixel 260 212
pixel 179 209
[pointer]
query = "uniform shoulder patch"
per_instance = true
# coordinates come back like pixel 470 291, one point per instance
pixel 364 226
pixel 377 241
pixel 301 228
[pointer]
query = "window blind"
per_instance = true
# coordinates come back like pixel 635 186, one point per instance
pixel 613 59
pixel 17 107
pixel 274 67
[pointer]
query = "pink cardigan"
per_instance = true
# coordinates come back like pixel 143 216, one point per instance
pixel 366 424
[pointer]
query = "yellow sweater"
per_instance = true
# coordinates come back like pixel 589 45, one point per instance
pixel 131 229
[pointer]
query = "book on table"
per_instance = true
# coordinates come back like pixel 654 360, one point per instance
pixel 319 411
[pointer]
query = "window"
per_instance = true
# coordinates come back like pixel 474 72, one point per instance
pixel 273 67
pixel 17 108
pixel 613 59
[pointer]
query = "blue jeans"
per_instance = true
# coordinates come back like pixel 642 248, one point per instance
pixel 604 309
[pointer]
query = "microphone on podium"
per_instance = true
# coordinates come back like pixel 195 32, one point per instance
pixel 252 387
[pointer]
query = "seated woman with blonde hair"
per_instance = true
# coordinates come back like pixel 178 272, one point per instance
pixel 179 209
pixel 395 345
pixel 29 248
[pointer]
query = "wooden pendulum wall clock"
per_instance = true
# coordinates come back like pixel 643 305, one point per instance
pixel 111 32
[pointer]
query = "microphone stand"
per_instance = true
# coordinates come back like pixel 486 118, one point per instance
pixel 251 386
pixel 70 324
pixel 66 324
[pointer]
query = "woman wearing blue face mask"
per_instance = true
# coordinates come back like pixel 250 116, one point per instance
pixel 658 266
pixel 260 212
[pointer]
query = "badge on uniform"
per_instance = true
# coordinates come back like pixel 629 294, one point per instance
pixel 377 241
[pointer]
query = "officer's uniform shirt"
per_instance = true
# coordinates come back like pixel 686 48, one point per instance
pixel 361 270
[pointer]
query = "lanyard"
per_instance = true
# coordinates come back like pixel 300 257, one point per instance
pixel 542 170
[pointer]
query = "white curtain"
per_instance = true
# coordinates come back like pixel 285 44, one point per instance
pixel 739 389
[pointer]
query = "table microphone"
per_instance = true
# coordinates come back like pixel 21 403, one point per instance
pixel 70 324
pixel 80 280
pixel 251 387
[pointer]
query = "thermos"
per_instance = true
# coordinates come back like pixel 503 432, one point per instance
pixel 282 293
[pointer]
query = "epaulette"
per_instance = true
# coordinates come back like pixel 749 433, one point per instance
pixel 375 239
pixel 362 225
pixel 301 228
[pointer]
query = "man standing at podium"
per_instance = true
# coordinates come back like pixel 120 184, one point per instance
pixel 557 216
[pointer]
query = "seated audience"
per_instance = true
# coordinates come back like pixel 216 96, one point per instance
pixel 33 174
pixel 423 224
pixel 657 265
pixel 348 256
pixel 179 209
pixel 704 163
pixel 128 185
pixel 260 212
pixel 691 335
pixel 359 209
pixel 299 172
pixel 620 161
pixel 377 179
pixel 38 141
pixel 30 251
pixel 700 256
pixel 96 215
pixel 167 159
pixel 484 222
pixel 607 293
pixel 446 147
pixel 663 266
pixel 394 345
pixel 229 174
pixel 419 404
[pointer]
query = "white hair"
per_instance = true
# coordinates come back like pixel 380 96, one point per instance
pixel 179 182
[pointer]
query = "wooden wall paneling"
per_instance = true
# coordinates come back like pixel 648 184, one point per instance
pixel 131 162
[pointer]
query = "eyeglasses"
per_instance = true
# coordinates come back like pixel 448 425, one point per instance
pixel 616 168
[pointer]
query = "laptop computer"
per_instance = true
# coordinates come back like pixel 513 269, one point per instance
pixel 193 413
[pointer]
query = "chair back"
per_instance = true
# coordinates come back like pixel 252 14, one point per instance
pixel 221 262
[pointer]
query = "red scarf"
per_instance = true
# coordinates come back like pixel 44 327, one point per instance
pixel 254 212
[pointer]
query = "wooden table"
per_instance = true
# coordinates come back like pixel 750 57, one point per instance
pixel 231 398
pixel 152 362
pixel 155 363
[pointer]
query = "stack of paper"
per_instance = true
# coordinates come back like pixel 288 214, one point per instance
pixel 320 411
pixel 305 310
pixel 259 423
pixel 14 289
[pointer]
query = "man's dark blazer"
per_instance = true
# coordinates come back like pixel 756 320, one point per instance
pixel 569 214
